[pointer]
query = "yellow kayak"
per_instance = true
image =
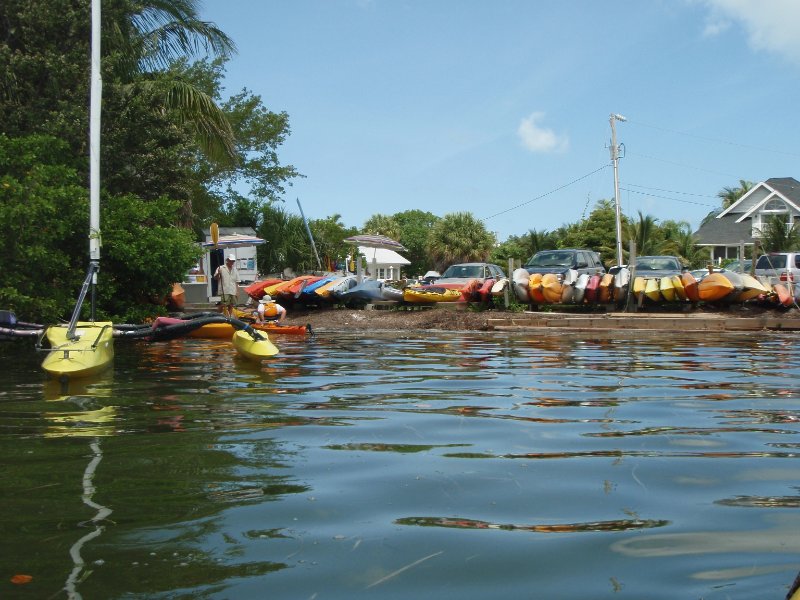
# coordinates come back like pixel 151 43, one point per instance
pixel 253 348
pixel 639 285
pixel 677 284
pixel 90 353
pixel 751 288
pixel 419 295
pixel 667 288
pixel 652 289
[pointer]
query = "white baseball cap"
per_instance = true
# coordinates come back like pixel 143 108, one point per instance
pixel 232 257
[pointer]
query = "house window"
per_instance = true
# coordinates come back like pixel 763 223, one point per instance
pixel 381 273
pixel 775 206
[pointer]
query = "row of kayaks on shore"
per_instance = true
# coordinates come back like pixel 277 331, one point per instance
pixel 308 289
pixel 570 288
pixel 715 287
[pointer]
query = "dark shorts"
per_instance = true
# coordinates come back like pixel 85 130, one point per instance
pixel 228 299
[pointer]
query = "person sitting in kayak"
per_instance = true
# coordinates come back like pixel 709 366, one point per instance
pixel 269 310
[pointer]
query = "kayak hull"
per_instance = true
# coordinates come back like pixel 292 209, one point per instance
pixel 253 349
pixel 90 354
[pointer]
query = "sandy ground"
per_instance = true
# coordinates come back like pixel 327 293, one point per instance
pixel 464 319
pixel 391 320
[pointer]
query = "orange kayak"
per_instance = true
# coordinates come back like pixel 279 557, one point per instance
pixel 225 330
pixel 606 287
pixel 551 288
pixel 782 292
pixel 714 287
pixel 690 287
pixel 535 288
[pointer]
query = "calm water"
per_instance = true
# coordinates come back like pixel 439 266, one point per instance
pixel 427 466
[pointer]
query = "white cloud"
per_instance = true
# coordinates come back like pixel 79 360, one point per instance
pixel 716 26
pixel 771 26
pixel 540 139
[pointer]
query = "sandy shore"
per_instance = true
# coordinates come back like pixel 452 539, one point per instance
pixel 392 320
pixel 467 319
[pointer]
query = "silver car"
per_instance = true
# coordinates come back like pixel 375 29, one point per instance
pixel 466 272
pixel 779 267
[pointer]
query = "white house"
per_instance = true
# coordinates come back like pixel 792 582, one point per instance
pixel 382 263
pixel 742 222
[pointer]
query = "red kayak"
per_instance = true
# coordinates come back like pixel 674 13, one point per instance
pixel 256 290
pixel 485 291
pixel 592 288
pixel 283 329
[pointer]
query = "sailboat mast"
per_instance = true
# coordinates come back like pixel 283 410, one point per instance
pixel 95 96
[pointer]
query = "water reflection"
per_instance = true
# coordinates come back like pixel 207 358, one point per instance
pixel 616 525
pixel 352 460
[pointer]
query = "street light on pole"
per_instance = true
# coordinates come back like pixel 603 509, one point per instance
pixel 615 161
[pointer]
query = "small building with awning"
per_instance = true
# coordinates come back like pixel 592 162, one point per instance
pixel 200 285
pixel 382 263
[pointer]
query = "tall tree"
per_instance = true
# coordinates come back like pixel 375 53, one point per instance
pixel 644 232
pixel 459 237
pixel 287 243
pixel 379 224
pixel 778 236
pixel 596 232
pixel 730 195
pixel 415 225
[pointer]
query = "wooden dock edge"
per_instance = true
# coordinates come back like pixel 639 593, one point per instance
pixel 683 323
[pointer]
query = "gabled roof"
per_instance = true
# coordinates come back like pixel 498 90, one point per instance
pixel 724 231
pixel 785 188
pixel 382 256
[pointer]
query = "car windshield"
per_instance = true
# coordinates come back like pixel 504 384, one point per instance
pixel 463 271
pixel 551 259
pixel 771 261
pixel 647 263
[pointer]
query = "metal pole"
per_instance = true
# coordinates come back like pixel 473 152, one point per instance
pixel 310 237
pixel 615 162
pixel 95 96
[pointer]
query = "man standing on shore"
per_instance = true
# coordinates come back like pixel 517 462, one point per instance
pixel 228 278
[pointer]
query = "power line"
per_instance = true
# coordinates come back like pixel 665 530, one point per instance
pixel 678 164
pixel 668 198
pixel 566 185
pixel 670 191
pixel 715 140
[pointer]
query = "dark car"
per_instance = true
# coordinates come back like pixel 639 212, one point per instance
pixel 560 261
pixel 466 272
pixel 658 266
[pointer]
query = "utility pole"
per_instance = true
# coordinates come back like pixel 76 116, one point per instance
pixel 615 161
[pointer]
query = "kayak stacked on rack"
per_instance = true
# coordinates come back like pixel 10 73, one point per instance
pixel 720 286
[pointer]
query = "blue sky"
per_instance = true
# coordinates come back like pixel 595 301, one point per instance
pixel 502 108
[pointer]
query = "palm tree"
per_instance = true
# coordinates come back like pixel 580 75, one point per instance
pixel 683 243
pixel 777 237
pixel 379 224
pixel 643 233
pixel 145 37
pixel 459 237
pixel 538 240
pixel 287 243
pixel 730 195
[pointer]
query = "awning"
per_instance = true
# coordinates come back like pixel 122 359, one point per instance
pixel 235 240
pixel 375 241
